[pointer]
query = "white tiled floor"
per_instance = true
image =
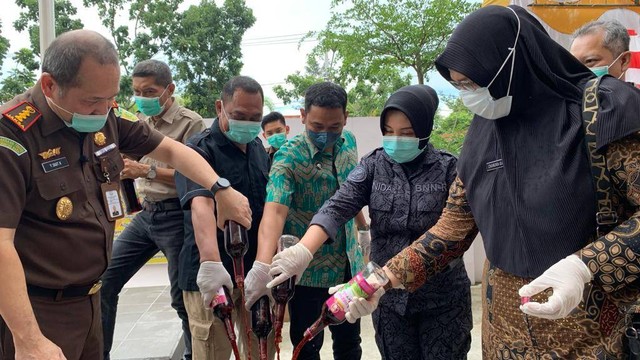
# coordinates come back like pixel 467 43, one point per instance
pixel 148 328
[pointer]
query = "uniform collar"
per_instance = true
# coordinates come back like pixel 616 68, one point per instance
pixel 170 114
pixel 50 121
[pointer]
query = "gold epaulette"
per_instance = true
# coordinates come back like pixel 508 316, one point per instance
pixel 24 115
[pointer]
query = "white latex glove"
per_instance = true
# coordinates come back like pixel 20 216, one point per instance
pixel 567 278
pixel 359 307
pixel 288 263
pixel 364 240
pixel 255 284
pixel 211 277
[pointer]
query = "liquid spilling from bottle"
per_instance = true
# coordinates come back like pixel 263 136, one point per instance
pixel 363 285
pixel 282 293
pixel 261 324
pixel 236 244
pixel 222 309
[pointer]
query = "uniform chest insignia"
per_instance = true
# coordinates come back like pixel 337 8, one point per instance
pixel 64 208
pixel 99 139
pixel 50 153
pixel 23 115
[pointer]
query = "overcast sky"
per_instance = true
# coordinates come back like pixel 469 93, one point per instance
pixel 270 48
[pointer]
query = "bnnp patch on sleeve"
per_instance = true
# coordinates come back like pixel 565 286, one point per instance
pixel 23 115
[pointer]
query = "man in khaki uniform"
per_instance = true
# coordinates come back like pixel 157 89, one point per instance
pixel 159 227
pixel 61 145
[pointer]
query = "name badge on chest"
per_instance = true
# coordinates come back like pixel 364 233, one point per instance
pixel 495 165
pixel 53 165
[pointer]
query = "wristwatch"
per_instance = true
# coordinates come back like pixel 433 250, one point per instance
pixel 364 228
pixel 151 174
pixel 221 184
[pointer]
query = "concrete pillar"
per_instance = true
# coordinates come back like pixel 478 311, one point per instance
pixel 47 24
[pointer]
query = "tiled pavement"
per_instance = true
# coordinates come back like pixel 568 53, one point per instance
pixel 148 328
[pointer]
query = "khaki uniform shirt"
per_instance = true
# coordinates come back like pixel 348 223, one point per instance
pixel 51 177
pixel 178 123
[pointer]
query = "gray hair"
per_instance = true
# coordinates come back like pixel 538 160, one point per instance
pixel 156 69
pixel 616 36
pixel 64 56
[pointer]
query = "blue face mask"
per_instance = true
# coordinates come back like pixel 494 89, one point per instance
pixel 277 140
pixel 150 106
pixel 402 149
pixel 84 123
pixel 243 132
pixel 323 140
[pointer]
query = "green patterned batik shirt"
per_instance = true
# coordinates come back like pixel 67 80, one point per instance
pixel 303 178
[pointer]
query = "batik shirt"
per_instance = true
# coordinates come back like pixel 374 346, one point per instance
pixel 303 178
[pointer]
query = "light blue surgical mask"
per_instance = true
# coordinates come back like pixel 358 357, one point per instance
pixel 150 106
pixel 277 140
pixel 604 70
pixel 84 123
pixel 243 132
pixel 323 140
pixel 402 149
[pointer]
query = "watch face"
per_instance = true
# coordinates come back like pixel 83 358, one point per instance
pixel 223 183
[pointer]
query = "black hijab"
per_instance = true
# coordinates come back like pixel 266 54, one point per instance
pixel 419 103
pixel 527 175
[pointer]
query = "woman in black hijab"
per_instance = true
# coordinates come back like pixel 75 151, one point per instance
pixel 405 184
pixel 524 180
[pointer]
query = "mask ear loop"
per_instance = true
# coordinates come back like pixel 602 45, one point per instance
pixel 512 54
pixel 616 60
pixel 165 90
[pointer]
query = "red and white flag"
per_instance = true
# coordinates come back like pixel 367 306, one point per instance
pixel 633 73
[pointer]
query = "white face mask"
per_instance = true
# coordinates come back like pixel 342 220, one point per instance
pixel 480 101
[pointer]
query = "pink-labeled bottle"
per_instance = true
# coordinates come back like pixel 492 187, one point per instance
pixel 363 285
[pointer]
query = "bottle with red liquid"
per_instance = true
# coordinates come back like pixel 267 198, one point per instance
pixel 261 324
pixel 222 309
pixel 236 244
pixel 282 293
pixel 363 285
pixel 131 201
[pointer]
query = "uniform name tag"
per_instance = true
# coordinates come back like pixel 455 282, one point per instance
pixel 54 165
pixel 105 150
pixel 495 165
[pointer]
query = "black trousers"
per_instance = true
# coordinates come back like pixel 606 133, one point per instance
pixel 304 310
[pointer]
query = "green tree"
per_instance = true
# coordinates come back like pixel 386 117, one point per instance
pixel 143 36
pixel 4 47
pixel 28 20
pixel 367 92
pixel 23 75
pixel 205 50
pixel 372 45
pixel 374 34
pixel 449 131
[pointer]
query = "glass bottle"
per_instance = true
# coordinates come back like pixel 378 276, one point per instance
pixel 261 324
pixel 131 202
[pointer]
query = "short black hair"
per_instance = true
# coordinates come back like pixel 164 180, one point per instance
pixel 158 70
pixel 325 94
pixel 273 117
pixel 244 83
pixel 65 54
